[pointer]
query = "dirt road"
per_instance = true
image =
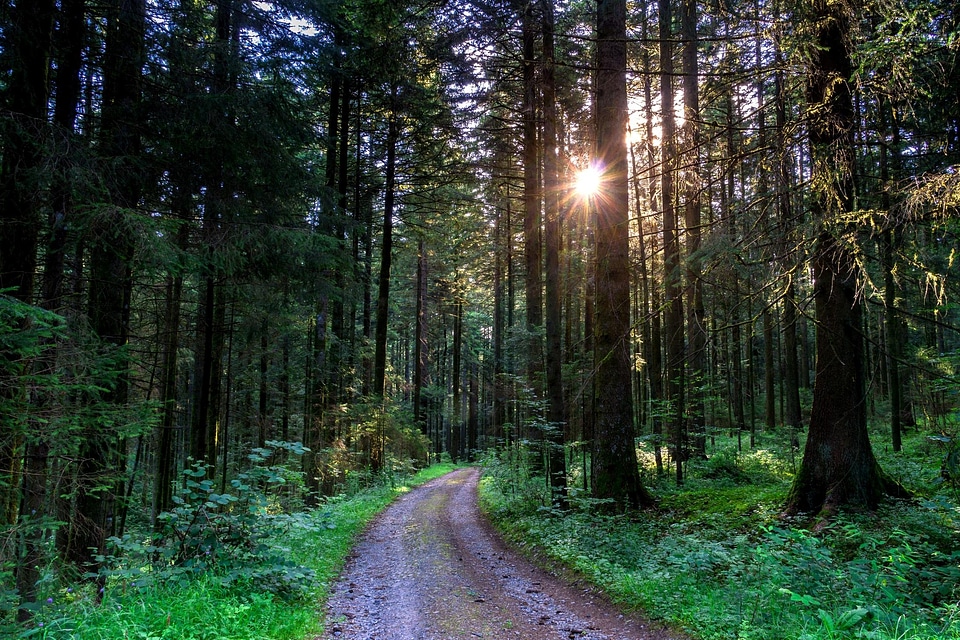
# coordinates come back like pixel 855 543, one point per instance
pixel 430 568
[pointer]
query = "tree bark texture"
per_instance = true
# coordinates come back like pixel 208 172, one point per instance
pixel 532 245
pixel 110 266
pixel 615 475
pixel 673 295
pixel 386 250
pixel 456 375
pixel 23 458
pixel 696 314
pixel 24 126
pixel 420 347
pixel 556 410
pixel 791 365
pixel 838 466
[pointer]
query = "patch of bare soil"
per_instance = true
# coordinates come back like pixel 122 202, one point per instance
pixel 430 568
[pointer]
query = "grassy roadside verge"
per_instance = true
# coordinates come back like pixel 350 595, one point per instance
pixel 716 561
pixel 204 609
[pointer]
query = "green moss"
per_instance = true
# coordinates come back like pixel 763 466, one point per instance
pixel 735 503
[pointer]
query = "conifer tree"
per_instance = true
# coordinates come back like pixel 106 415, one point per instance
pixel 615 475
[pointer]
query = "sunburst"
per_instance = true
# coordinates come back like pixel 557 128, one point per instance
pixel 589 181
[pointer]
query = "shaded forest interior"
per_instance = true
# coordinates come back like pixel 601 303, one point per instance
pixel 266 252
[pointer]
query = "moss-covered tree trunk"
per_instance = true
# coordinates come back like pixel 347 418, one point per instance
pixel 838 467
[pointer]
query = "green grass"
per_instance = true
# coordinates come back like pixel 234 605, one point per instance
pixel 203 609
pixel 716 560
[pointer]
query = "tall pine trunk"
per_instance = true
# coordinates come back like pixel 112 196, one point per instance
pixel 556 409
pixel 532 241
pixel 838 466
pixel 110 271
pixel 653 333
pixel 673 300
pixel 696 321
pixel 420 341
pixel 791 364
pixel 456 376
pixel 29 42
pixel 615 474
pixel 386 251
pixel 27 91
pixel 890 239
pixel 501 238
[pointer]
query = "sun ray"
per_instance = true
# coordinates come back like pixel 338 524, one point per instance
pixel 588 181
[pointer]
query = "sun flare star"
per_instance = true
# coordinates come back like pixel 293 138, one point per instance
pixel 588 181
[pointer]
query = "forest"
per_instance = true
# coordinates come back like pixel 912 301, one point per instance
pixel 681 276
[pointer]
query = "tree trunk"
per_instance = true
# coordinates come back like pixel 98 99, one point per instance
pixel 366 210
pixel 312 404
pixel 893 332
pixel 420 341
pixel 285 390
pixel 209 338
pixel 653 340
pixel 26 95
pixel 19 222
pixel 386 250
pixel 263 391
pixel 791 365
pixel 673 300
pixel 615 475
pixel 200 444
pixel 26 92
pixel 110 272
pixel 165 454
pixel 32 510
pixel 556 409
pixel 769 378
pixel 696 321
pixel 501 237
pixel 838 466
pixel 649 348
pixel 791 375
pixel 736 355
pixel 473 411
pixel 456 375
pixel 168 395
pixel 532 242
pixel 336 151
pixel 70 35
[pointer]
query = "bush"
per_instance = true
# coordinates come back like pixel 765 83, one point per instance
pixel 227 535
pixel 716 559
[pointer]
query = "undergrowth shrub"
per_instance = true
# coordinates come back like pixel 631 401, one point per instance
pixel 229 535
pixel 522 491
pixel 725 465
pixel 716 559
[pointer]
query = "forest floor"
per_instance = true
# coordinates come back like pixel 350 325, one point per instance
pixel 431 568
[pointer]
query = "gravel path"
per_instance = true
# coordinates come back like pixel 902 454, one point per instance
pixel 430 568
